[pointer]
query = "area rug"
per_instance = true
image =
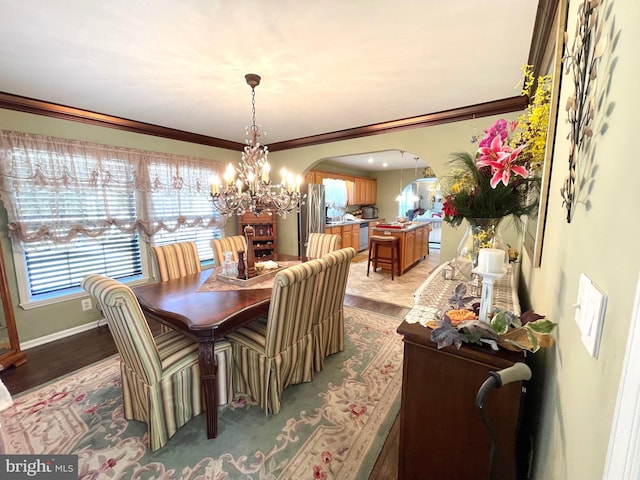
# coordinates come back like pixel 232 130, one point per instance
pixel 331 428
pixel 379 286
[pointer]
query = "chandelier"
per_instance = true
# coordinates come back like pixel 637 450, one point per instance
pixel 248 188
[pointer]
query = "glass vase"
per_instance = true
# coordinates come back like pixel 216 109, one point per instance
pixel 480 233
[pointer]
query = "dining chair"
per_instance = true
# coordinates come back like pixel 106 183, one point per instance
pixel 328 326
pixel 160 375
pixel 271 354
pixel 228 244
pixel 174 260
pixel 321 243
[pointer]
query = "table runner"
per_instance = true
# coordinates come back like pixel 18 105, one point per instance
pixel 212 284
pixel 436 290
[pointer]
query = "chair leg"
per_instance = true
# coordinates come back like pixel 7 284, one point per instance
pixel 369 258
pixel 393 259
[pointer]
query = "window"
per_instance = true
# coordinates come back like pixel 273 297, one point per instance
pixel 201 237
pixel 75 208
pixel 55 269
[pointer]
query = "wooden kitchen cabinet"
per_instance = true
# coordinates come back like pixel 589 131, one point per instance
pixel 349 234
pixel 365 191
pixel 441 431
pixel 360 190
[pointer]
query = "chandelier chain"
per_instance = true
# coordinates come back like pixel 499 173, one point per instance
pixel 248 187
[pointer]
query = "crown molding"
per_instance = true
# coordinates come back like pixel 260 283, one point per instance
pixel 39 107
pixel 486 109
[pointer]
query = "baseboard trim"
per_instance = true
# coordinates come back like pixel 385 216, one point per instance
pixel 60 335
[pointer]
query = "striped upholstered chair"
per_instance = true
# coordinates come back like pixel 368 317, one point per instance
pixel 328 327
pixel 269 355
pixel 174 260
pixel 321 243
pixel 160 376
pixel 227 244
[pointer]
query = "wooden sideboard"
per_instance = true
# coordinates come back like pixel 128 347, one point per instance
pixel 441 432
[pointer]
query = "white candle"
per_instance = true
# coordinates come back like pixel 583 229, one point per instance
pixel 491 260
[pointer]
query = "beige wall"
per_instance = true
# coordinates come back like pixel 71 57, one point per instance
pixel 432 144
pixel 47 320
pixel 576 393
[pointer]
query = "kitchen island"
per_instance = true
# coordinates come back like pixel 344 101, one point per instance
pixel 414 241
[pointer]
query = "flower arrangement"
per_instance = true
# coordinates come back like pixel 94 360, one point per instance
pixel 459 324
pixel 503 177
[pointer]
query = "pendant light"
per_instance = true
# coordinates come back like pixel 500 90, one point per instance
pixel 399 197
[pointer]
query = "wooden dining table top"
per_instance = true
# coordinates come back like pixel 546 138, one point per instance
pixel 202 313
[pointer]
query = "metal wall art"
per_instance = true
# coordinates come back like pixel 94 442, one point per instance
pixel 582 61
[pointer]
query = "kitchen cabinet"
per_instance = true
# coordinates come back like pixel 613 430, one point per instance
pixel 360 190
pixel 349 234
pixel 441 431
pixel 265 240
pixel 365 191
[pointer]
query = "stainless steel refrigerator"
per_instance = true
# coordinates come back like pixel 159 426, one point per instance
pixel 312 216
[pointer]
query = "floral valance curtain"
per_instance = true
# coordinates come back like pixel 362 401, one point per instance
pixel 56 188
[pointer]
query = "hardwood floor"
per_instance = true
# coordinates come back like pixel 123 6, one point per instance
pixel 50 361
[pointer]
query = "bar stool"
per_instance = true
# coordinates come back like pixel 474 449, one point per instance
pixel 386 241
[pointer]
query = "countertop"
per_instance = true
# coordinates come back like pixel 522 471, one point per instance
pixel 404 227
pixel 351 222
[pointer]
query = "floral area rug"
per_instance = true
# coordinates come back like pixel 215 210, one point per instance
pixel 379 286
pixel 331 428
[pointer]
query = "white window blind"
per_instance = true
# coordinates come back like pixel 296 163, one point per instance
pixel 54 269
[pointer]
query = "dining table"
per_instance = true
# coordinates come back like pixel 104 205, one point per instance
pixel 205 308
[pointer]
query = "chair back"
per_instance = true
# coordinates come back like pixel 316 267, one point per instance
pixel 176 260
pixel 293 306
pixel 322 243
pixel 335 280
pixel 131 333
pixel 228 244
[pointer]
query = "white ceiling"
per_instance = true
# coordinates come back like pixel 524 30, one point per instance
pixel 325 65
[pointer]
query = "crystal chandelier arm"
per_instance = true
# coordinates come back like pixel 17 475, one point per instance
pixel 248 188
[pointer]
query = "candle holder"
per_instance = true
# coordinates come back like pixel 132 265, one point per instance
pixel 486 300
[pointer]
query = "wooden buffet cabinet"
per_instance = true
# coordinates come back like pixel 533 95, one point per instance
pixel 265 240
pixel 441 432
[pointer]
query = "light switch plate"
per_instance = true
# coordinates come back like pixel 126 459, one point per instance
pixel 591 307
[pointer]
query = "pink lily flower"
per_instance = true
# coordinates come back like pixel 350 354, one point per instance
pixel 503 168
pixel 493 154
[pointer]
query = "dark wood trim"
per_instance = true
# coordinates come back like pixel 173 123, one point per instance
pixel 542 32
pixel 39 107
pixel 455 115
